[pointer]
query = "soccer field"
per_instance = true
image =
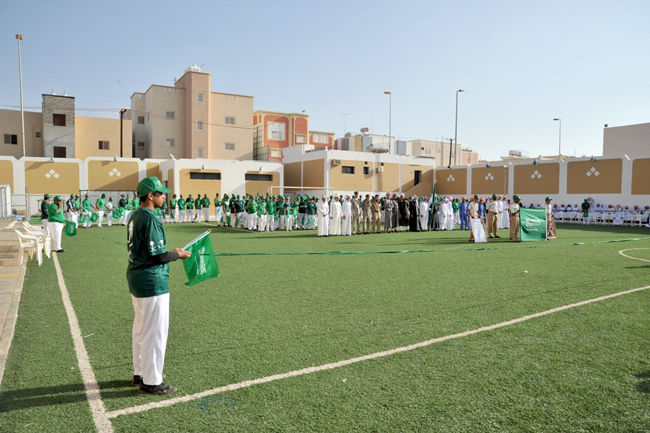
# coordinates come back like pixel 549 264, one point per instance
pixel 405 332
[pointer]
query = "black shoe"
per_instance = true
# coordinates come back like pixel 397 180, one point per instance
pixel 490 236
pixel 137 381
pixel 497 236
pixel 60 251
pixel 161 389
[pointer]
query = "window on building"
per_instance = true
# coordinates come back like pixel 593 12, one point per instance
pixel 230 146
pixel 199 152
pixel 199 125
pixel 141 120
pixel 439 150
pixel 11 139
pixel 321 138
pixel 37 135
pixel 104 145
pixel 199 97
pixel 301 139
pixel 259 177
pixel 416 177
pixel 230 120
pixel 58 119
pixel 366 170
pixel 276 153
pixel 140 145
pixel 347 169
pixel 170 114
pixel 201 175
pixel 170 142
pixel 60 152
pixel 276 130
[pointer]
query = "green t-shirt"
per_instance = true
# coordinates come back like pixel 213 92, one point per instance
pixel 189 203
pixel 217 202
pixel 172 203
pixel 311 208
pixel 197 203
pixel 205 202
pixel 181 204
pixel 87 204
pixel 54 217
pixel 100 203
pixel 145 239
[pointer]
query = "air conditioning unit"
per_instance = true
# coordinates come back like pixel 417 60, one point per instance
pixel 380 169
pixel 336 162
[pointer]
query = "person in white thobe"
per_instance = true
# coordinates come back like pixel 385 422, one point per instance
pixel 346 216
pixel 449 214
pixel 423 214
pixel 323 210
pixel 335 216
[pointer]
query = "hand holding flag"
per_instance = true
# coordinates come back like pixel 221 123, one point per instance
pixel 202 264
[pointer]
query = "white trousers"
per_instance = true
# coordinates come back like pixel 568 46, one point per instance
pixel 181 215
pixel 263 222
pixel 109 218
pixel 100 218
pixel 206 214
pixel 150 327
pixel 335 226
pixel 323 223
pixel 56 229
pixel 125 217
pixel 346 226
pixel 46 227
pixel 271 222
pixel 217 215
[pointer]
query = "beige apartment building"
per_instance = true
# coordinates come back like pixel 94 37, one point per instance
pixel 189 120
pixel 440 151
pixel 630 140
pixel 57 132
pixel 274 131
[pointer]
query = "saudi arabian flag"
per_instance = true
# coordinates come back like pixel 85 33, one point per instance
pixel 202 265
pixel 70 228
pixel 533 224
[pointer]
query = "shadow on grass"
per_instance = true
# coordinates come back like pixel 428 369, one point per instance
pixel 63 394
pixel 644 384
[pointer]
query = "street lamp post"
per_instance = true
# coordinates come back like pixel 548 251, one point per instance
pixel 456 130
pixel 559 151
pixel 390 119
pixel 20 74
pixel 122 111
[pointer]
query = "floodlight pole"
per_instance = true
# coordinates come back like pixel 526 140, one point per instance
pixel 20 74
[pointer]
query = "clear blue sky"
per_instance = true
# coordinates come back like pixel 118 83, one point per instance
pixel 522 63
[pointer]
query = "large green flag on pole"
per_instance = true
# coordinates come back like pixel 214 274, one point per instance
pixel 533 224
pixel 202 265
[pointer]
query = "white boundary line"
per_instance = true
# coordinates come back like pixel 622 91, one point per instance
pixel 634 258
pixel 97 408
pixel 309 370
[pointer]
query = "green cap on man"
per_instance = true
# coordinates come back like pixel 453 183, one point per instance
pixel 150 184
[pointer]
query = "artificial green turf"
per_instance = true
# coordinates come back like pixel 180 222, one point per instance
pixel 271 314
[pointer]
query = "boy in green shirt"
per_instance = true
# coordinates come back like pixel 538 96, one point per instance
pixel 86 206
pixel 99 206
pixel 56 220
pixel 148 279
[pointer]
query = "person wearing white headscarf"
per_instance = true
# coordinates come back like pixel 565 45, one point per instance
pixel 423 214
pixel 323 210
pixel 335 216
pixel 449 211
pixel 346 215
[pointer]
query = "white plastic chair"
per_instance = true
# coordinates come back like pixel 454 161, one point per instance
pixel 31 245
pixel 44 240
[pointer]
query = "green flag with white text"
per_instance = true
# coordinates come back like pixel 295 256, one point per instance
pixel 202 265
pixel 533 224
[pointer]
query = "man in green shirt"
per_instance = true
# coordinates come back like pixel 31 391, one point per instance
pixel 86 207
pixel 217 209
pixel 189 203
pixel 172 208
pixel 148 279
pixel 181 209
pixel 205 204
pixel 99 206
pixel 197 204
pixel 225 210
pixel 56 220
pixel 44 205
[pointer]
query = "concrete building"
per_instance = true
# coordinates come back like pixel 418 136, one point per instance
pixel 57 132
pixel 274 131
pixel 190 121
pixel 309 169
pixel 631 140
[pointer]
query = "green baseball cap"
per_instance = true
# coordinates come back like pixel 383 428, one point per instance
pixel 57 198
pixel 515 197
pixel 46 196
pixel 150 184
pixel 494 196
pixel 548 199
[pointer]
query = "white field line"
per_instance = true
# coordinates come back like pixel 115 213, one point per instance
pixel 97 407
pixel 309 370
pixel 634 258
